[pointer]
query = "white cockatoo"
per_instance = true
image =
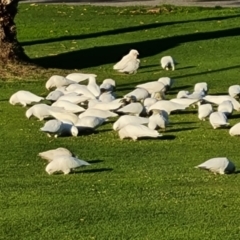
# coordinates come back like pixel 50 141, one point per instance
pixel 234 91
pixel 129 63
pixel 24 98
pixel 41 111
pixel 107 97
pixel 186 101
pixel 64 164
pixel 74 98
pixel 54 95
pixel 218 99
pixel 108 85
pixel 98 113
pixel 167 81
pixel 226 107
pixel 218 119
pixel 201 87
pixel 157 120
pixel 134 108
pixel 204 111
pixel 57 128
pixel 168 106
pixel 68 106
pixel 63 115
pixel 235 130
pixel 56 81
pixel 138 94
pixel 128 119
pixel 93 87
pixel 219 165
pixel 51 154
pixel 90 122
pixel 135 131
pixel 79 77
pixel 167 62
pixel 81 89
pixel 153 87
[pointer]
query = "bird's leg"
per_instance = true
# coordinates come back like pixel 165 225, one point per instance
pixel 134 138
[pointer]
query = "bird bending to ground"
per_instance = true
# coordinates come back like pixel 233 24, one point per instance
pixel 234 91
pixel 135 131
pixel 128 119
pixel 64 164
pixel 58 128
pixel 219 165
pixel 204 111
pixel 56 81
pixel 218 119
pixel 235 130
pixel 167 62
pixel 51 154
pixel 24 98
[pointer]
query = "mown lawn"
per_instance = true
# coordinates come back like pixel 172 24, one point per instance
pixel 147 189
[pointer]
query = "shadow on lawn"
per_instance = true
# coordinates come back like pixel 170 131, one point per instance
pixel 210 71
pixel 164 137
pixel 235 116
pixel 97 170
pixel 101 55
pixel 121 30
pixel 168 137
pixel 84 58
pixel 95 161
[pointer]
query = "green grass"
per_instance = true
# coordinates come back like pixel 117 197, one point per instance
pixel 133 190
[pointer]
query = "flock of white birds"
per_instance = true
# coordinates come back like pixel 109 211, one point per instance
pixel 76 108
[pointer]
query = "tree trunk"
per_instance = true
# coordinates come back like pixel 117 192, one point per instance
pixel 10 49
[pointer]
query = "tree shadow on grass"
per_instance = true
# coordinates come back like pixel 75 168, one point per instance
pixel 84 58
pixel 187 67
pixel 208 72
pixel 122 30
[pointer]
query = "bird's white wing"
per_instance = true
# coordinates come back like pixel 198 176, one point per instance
pixel 51 126
pixel 123 62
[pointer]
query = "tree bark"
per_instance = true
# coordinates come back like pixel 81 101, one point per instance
pixel 10 48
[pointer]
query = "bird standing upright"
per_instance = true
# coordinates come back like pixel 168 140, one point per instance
pixel 129 63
